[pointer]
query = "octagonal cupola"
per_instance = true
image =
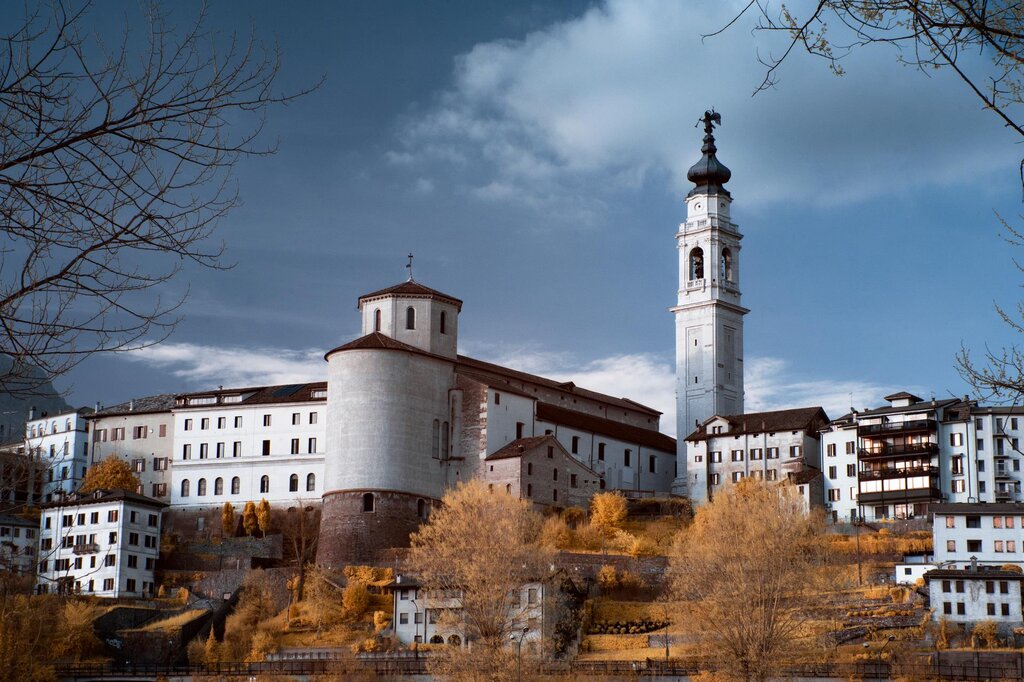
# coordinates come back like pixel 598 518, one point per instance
pixel 414 314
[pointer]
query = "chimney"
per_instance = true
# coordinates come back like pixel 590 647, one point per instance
pixel 974 564
pixel 97 406
pixel 131 405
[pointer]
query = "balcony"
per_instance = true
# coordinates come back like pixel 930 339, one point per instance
pixel 884 450
pixel 86 548
pixel 1004 496
pixel 887 428
pixel 896 472
pixel 913 495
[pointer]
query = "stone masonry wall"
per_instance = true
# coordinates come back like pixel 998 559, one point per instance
pixel 350 535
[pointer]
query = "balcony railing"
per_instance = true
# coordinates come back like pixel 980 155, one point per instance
pixel 911 495
pixel 898 450
pixel 896 427
pixel 86 548
pixel 896 472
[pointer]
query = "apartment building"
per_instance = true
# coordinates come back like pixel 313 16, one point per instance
pixel 898 460
pixel 237 445
pixel 59 446
pixel 105 543
pixel 978 534
pixel 769 446
pixel 972 595
pixel 421 615
pixel 141 432
pixel 18 544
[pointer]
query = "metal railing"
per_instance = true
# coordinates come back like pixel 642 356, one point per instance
pixel 897 449
pixel 896 472
pixel 892 427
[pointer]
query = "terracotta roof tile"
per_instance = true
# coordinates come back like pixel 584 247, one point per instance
pixel 413 289
pixel 518 447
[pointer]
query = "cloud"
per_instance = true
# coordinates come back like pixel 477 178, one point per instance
pixel 596 104
pixel 201 365
pixel 645 378
pixel 770 384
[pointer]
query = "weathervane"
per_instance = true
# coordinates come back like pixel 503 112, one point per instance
pixel 409 266
pixel 710 119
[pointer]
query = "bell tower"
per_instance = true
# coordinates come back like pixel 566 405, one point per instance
pixel 709 317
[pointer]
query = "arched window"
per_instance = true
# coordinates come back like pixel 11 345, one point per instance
pixel 444 322
pixel 265 484
pixel 67 425
pixel 201 487
pixel 293 483
pixel 435 438
pixel 454 640
pixel 697 263
pixel 725 265
pixel 236 486
pixel 376 320
pixel 421 508
pixel 444 440
pixel 508 488
pixel 184 487
pixel 437 639
pixel 410 318
pixel 311 482
pixel 218 486
pixel 367 502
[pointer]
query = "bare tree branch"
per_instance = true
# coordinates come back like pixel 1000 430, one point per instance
pixel 115 169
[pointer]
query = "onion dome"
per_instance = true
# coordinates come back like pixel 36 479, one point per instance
pixel 709 174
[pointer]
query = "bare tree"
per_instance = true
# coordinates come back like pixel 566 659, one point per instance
pixel 115 168
pixel 482 547
pixel 928 34
pixel 999 376
pixel 981 41
pixel 745 570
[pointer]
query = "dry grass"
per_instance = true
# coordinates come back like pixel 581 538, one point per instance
pixel 173 623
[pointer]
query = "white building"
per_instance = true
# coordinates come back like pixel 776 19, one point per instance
pixel 105 543
pixel 248 444
pixel 427 616
pixel 989 534
pixel 896 461
pixel 140 432
pixel 60 445
pixel 708 314
pixel 971 596
pixel 18 544
pixel 766 446
pixel 408 418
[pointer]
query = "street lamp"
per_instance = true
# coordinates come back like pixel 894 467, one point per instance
pixel 519 652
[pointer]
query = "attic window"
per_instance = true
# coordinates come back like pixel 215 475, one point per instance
pixel 232 399
pixel 319 393
pixel 204 400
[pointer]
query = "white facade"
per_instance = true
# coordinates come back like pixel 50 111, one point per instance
pixel 972 596
pixel 240 445
pixel 983 534
pixel 910 573
pixel 915 453
pixel 104 544
pixel 767 446
pixel 18 543
pixel 839 467
pixel 140 432
pixel 708 314
pixel 60 445
pixel 421 616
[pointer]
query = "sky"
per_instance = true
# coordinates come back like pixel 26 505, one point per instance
pixel 533 157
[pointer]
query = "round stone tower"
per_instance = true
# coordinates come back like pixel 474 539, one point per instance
pixel 390 407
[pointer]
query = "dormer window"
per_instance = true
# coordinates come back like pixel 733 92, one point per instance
pixel 410 318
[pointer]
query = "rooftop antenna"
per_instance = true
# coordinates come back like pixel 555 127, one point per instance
pixel 409 266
